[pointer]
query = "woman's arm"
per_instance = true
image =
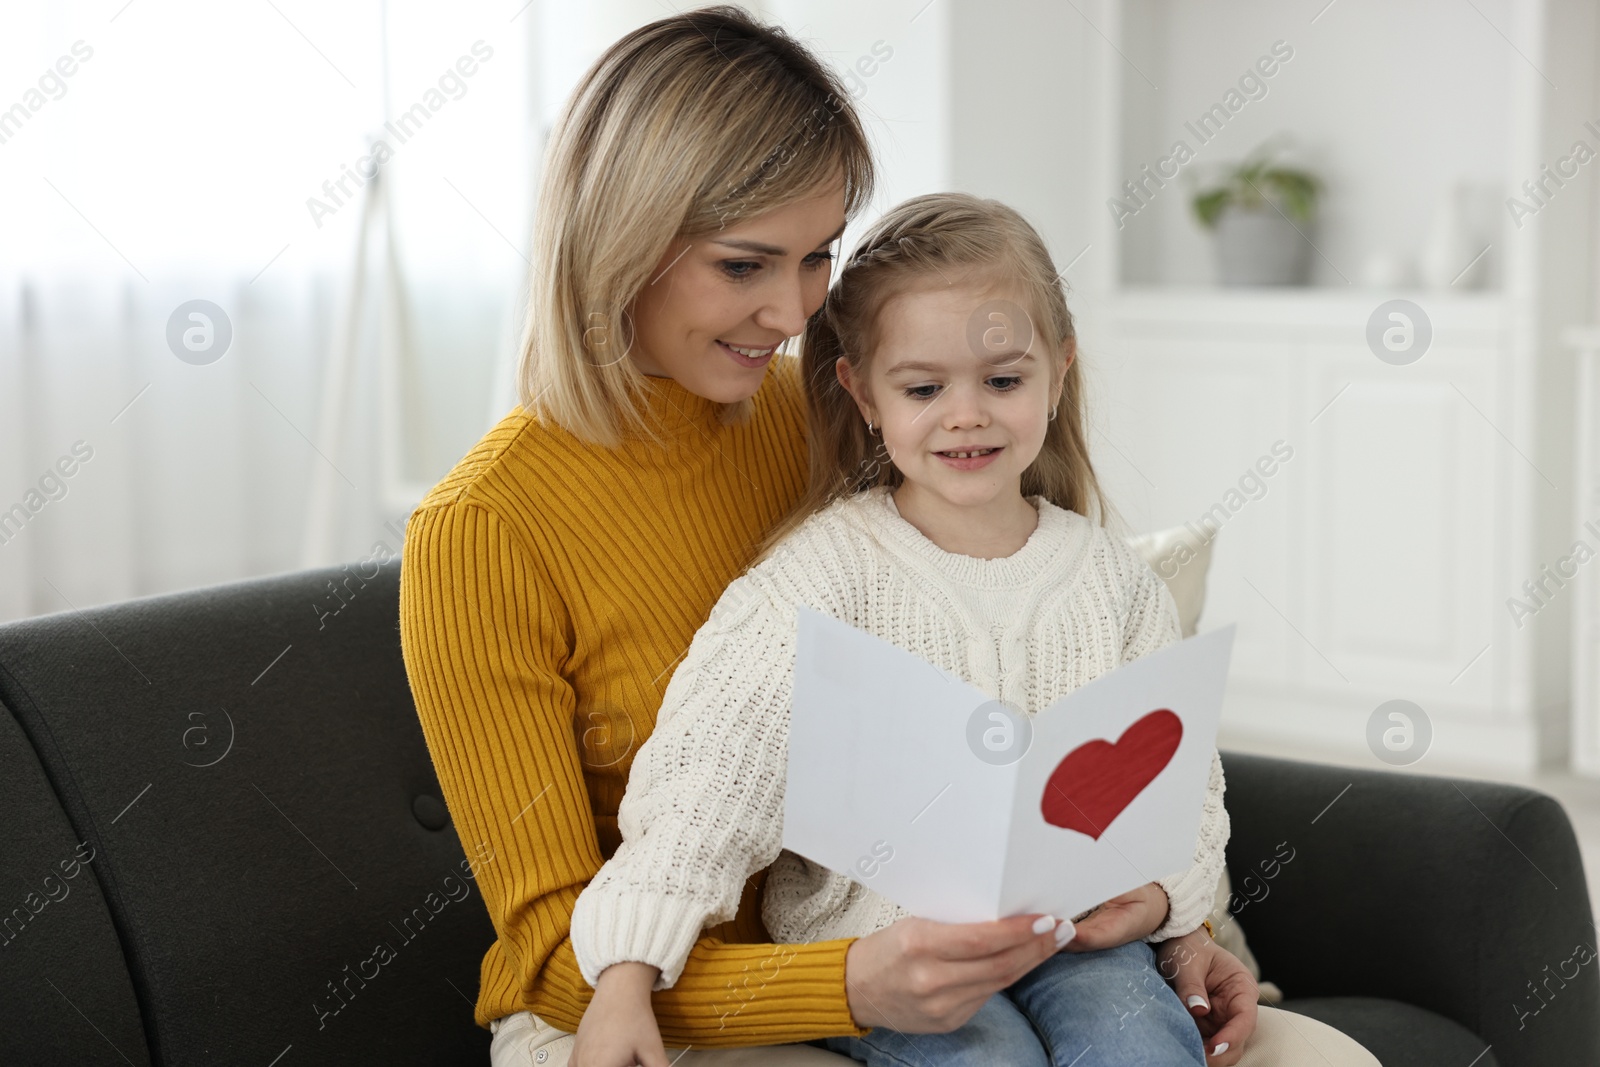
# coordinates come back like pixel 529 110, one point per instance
pixel 485 639
pixel 1152 623
pixel 1217 989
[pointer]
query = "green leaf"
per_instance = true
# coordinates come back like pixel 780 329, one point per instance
pixel 1208 206
pixel 1254 184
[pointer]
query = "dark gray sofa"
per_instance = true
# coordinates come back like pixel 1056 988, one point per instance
pixel 223 842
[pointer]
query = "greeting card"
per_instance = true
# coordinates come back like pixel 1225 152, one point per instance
pixel 961 808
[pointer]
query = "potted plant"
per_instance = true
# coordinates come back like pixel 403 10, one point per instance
pixel 1260 213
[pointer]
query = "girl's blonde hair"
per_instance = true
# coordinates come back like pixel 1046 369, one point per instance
pixel 934 241
pixel 681 128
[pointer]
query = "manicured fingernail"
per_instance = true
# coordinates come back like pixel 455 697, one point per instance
pixel 1065 932
pixel 1220 1049
pixel 1197 1001
pixel 1043 923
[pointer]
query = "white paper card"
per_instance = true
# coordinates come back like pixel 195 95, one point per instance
pixel 900 776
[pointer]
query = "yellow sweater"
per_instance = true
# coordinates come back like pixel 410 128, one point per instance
pixel 548 590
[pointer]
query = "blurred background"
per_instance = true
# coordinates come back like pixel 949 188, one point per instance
pixel 1333 265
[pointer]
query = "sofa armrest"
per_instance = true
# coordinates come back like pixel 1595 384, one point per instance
pixel 1466 898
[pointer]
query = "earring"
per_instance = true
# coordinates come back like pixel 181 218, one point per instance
pixel 872 432
pixel 1053 414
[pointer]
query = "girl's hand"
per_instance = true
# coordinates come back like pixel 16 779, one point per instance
pixel 1119 920
pixel 918 976
pixel 1223 992
pixel 619 1027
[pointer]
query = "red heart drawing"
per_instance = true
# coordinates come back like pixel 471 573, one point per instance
pixel 1097 780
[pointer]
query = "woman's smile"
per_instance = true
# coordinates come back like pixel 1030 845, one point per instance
pixel 747 356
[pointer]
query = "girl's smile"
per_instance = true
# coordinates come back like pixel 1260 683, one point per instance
pixel 970 459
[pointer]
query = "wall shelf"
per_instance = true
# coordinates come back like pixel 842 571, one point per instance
pixel 1183 307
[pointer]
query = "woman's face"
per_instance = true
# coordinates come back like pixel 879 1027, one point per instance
pixel 715 309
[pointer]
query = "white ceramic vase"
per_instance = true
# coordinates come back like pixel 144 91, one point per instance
pixel 1447 250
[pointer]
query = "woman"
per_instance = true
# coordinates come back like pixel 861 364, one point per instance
pixel 693 190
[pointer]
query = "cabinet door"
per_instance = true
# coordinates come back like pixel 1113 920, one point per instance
pixel 1183 430
pixel 1400 526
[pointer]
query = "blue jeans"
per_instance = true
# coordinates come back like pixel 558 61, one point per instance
pixel 1084 1009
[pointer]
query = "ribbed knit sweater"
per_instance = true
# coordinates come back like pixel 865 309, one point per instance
pixel 704 803
pixel 548 589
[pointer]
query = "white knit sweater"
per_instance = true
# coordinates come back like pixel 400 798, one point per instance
pixel 704 805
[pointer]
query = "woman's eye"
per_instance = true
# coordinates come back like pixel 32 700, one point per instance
pixel 1006 384
pixel 916 392
pixel 745 268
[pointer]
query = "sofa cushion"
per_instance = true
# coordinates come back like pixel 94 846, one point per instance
pixel 247 761
pixel 1398 1033
pixel 1182 559
pixel 68 998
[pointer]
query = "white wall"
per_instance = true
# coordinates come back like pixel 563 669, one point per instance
pixel 1021 130
pixel 1390 103
pixel 904 101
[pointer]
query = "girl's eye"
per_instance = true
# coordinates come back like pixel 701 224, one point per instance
pixel 1000 384
pixel 817 259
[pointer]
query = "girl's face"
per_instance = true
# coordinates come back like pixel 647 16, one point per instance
pixel 716 309
pixel 949 377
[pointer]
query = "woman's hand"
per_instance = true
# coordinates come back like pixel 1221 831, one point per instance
pixel 1218 989
pixel 918 976
pixel 619 1026
pixel 1133 915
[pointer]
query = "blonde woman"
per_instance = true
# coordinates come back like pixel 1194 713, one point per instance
pixel 694 188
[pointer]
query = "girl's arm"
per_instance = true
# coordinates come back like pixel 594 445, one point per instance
pixel 1151 624
pixel 1191 893
pixel 619 1028
pixel 704 805
pixel 485 639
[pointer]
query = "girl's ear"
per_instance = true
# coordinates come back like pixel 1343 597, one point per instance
pixel 855 387
pixel 1070 347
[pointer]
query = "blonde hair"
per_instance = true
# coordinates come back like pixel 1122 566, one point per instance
pixel 921 243
pixel 681 127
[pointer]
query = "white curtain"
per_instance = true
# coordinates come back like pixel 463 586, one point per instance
pixel 157 154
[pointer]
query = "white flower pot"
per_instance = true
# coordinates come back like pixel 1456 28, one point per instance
pixel 1260 247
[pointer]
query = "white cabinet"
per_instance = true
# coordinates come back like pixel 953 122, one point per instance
pixel 1373 561
pixel 1380 559
pixel 1585 580
pixel 1397 547
pixel 1380 562
pixel 1168 460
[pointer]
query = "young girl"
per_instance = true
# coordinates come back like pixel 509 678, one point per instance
pixel 947 508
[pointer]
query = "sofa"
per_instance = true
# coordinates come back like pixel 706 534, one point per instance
pixel 224 843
